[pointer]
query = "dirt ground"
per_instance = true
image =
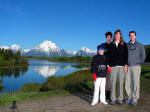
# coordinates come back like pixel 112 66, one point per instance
pixel 77 102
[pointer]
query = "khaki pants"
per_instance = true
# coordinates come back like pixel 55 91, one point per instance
pixel 132 82
pixel 117 73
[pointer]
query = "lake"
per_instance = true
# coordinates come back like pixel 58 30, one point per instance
pixel 37 72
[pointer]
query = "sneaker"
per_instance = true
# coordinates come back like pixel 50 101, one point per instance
pixel 120 102
pixel 112 102
pixel 105 103
pixel 128 101
pixel 93 103
pixel 133 103
pixel 108 101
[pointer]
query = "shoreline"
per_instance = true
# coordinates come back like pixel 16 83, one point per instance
pixel 57 59
pixel 16 66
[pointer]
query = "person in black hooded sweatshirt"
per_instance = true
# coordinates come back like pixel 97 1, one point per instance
pixel 99 70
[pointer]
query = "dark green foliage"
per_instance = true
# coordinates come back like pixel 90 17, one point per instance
pixel 80 59
pixel 15 71
pixel 1 87
pixel 8 58
pixel 145 71
pixel 75 81
pixel 147 53
pixel 30 87
pixel 68 81
pixel 17 57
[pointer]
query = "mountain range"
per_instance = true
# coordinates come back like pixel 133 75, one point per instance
pixel 49 49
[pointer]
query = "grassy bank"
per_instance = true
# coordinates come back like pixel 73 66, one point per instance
pixel 6 98
pixel 75 82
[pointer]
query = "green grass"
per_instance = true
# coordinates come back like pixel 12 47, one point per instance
pixel 71 81
pixel 7 98
pixel 145 71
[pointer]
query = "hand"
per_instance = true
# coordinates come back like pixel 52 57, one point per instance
pixel 125 68
pixel 94 76
pixel 108 69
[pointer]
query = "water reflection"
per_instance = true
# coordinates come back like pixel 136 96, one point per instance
pixel 16 72
pixel 36 72
pixel 9 72
pixel 48 71
pixel 82 66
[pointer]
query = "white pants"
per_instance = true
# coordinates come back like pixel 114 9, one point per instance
pixel 99 87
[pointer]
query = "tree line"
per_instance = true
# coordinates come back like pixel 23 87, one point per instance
pixel 78 59
pixel 147 47
pixel 9 58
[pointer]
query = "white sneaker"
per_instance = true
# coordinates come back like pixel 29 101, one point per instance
pixel 94 103
pixel 104 103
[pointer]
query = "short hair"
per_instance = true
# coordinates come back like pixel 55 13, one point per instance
pixel 132 32
pixel 108 33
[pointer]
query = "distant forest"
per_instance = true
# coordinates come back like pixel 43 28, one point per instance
pixel 147 47
pixel 10 59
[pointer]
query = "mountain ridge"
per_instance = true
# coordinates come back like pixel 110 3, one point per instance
pixel 49 49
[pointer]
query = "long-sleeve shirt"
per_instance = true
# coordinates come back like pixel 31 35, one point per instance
pixel 136 54
pixel 98 65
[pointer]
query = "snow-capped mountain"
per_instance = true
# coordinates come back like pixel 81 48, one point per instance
pixel 4 47
pixel 15 48
pixel 26 50
pixel 73 53
pixel 85 52
pixel 49 49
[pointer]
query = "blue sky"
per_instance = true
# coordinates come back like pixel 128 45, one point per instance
pixel 71 24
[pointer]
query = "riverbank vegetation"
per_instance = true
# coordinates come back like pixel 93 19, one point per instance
pixel 74 59
pixel 147 53
pixel 10 59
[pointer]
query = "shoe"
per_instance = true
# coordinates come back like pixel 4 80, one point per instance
pixel 104 103
pixel 120 102
pixel 112 102
pixel 108 101
pixel 133 103
pixel 93 103
pixel 128 101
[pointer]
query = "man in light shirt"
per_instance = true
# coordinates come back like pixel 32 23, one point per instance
pixel 136 57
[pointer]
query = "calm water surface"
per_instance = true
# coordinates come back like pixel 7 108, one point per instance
pixel 37 72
